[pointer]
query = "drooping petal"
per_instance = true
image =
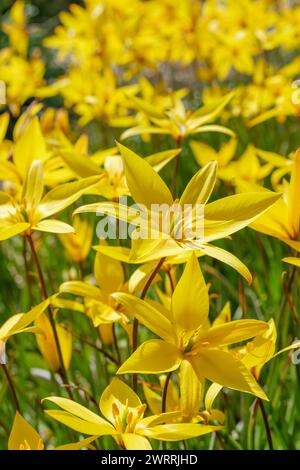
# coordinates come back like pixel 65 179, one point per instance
pixel 211 395
pixel 221 367
pixel 82 289
pixel 228 258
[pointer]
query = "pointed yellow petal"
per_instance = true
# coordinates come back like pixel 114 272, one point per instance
pixel 77 416
pixel 119 253
pixel 203 153
pixel 150 189
pixel 63 196
pixel 102 428
pixel 146 314
pixel 230 214
pixel 30 146
pixel 8 230
pixel 159 160
pixel 119 393
pixel 213 128
pixel 223 368
pixel 53 226
pixel 200 186
pixel 224 316
pixel 190 302
pixel 81 165
pixel 22 431
pixel 33 186
pixel 234 332
pixel 228 258
pixel 152 357
pixel 82 289
pixel 211 395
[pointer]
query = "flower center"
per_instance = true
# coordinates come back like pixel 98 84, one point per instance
pixel 126 420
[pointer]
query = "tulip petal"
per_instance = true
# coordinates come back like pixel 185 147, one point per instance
pixel 146 314
pixel 223 368
pixel 148 190
pixel 152 357
pixel 190 303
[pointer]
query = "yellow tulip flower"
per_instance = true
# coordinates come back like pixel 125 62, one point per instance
pixel 187 335
pixel 20 323
pixel 124 419
pixel 24 437
pixel 32 211
pixel 281 221
pixel 179 122
pixel 221 218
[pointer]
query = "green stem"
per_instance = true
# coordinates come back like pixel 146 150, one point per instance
pixel 176 167
pixel 136 322
pixel 117 349
pixel 12 387
pixel 45 296
pixel 266 423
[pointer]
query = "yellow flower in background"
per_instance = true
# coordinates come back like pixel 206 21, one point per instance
pixel 281 221
pixel 99 304
pixel 78 244
pixel 20 323
pixel 32 210
pixel 124 419
pixel 187 335
pixel 246 167
pixel 23 73
pixel 47 345
pixel 179 122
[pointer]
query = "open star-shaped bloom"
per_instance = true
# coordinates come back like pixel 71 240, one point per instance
pixel 124 419
pixel 186 334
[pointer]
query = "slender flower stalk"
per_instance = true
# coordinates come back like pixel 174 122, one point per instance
pixel 44 293
pixel 11 387
pixel 136 322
